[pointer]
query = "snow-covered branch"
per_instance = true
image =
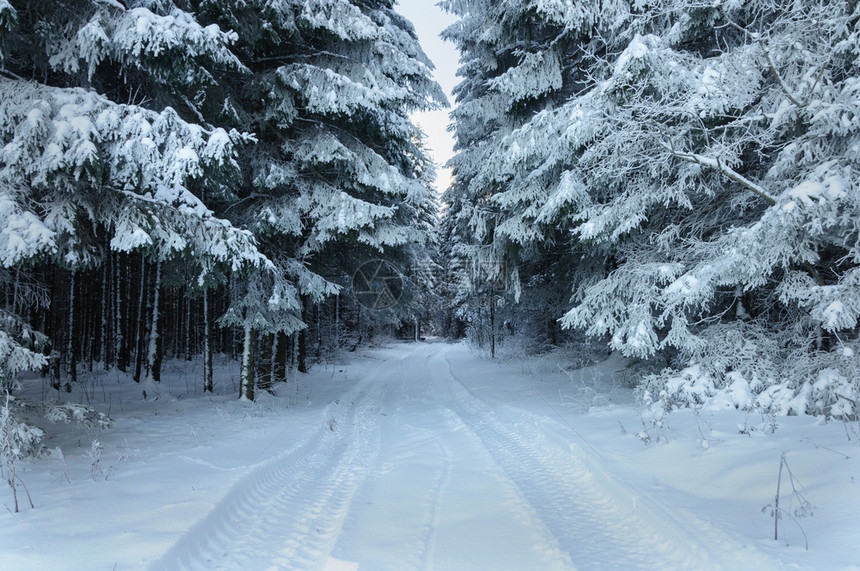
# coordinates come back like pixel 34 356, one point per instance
pixel 721 167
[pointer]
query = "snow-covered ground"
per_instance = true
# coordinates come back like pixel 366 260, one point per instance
pixel 424 456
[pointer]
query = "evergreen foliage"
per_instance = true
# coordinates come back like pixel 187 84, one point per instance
pixel 689 173
pixel 171 164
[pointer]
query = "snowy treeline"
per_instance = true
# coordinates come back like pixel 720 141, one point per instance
pixel 180 177
pixel 676 178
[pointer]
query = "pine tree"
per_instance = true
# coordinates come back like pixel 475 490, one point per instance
pixel 331 180
pixel 520 62
pixel 165 149
pixel 86 172
pixel 702 172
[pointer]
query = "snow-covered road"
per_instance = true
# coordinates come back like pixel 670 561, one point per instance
pixel 421 463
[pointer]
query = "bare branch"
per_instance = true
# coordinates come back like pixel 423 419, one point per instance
pixel 195 111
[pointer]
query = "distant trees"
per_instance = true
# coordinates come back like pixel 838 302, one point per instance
pixel 687 170
pixel 335 161
pixel 519 61
pixel 168 166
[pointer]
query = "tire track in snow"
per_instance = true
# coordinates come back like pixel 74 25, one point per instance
pixel 288 513
pixel 436 498
pixel 442 484
pixel 579 507
pixel 546 552
pixel 543 544
pixel 393 521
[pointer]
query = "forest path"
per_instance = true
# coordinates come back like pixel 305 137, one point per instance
pixel 420 464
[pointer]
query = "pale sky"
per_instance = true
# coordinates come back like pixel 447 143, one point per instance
pixel 429 21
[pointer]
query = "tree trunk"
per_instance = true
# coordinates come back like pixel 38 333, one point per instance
pixel 72 347
pixel 492 327
pixel 111 329
pixel 279 359
pixel 264 361
pixel 337 321
pixel 153 355
pixel 140 329
pixel 92 296
pixel 121 331
pixel 302 357
pixel 189 347
pixel 479 326
pixel 246 386
pixel 104 333
pixel 294 350
pixel 318 320
pixel 208 385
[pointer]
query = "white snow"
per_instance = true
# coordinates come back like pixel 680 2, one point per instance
pixel 807 190
pixel 832 314
pixel 424 456
pixel 637 49
pixel 683 286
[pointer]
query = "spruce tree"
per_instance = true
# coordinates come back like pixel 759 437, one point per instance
pixel 701 175
pixel 97 153
pixel 520 62
pixel 333 177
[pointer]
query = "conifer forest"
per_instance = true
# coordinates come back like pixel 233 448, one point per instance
pixel 673 185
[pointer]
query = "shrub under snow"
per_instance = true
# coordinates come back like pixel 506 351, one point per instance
pixel 17 438
pixel 824 383
pixel 71 412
